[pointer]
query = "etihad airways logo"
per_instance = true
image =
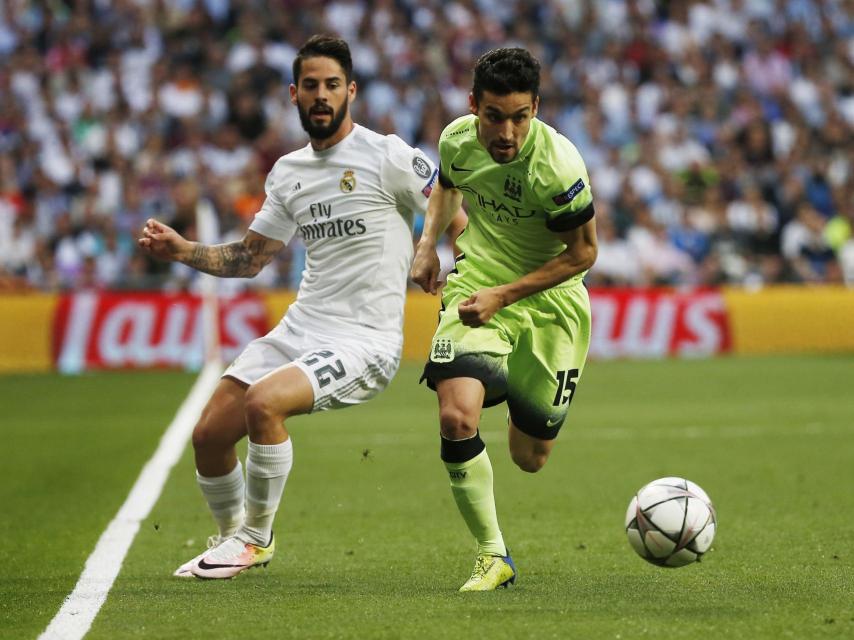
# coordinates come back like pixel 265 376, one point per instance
pixel 503 211
pixel 333 229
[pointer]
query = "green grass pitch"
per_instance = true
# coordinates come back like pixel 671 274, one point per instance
pixel 369 541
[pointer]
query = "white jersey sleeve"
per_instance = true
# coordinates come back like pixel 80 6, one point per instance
pixel 274 220
pixel 409 175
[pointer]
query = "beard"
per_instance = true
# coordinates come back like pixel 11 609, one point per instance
pixel 322 131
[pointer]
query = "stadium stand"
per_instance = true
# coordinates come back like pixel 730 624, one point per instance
pixel 718 133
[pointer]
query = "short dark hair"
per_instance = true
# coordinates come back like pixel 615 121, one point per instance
pixel 327 47
pixel 504 71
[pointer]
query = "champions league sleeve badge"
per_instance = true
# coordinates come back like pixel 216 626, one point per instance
pixel 348 182
pixel 421 167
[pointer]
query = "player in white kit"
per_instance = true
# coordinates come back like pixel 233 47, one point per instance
pixel 350 193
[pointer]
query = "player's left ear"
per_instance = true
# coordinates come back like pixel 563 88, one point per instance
pixel 352 90
pixel 535 107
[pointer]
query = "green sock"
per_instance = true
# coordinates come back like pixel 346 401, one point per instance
pixel 471 484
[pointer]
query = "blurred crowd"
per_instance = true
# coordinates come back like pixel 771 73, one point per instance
pixel 717 133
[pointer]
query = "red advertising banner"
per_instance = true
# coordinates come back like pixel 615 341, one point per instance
pixel 108 330
pixel 657 323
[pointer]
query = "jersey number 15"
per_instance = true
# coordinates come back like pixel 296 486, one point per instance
pixel 565 386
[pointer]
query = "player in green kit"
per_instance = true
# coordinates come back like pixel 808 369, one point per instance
pixel 515 320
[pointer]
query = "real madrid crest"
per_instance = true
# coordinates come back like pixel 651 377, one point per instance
pixel 348 182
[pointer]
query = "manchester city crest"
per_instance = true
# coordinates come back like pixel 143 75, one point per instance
pixel 443 350
pixel 348 182
pixel 513 188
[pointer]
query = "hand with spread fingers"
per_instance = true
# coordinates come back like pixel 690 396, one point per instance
pixel 162 241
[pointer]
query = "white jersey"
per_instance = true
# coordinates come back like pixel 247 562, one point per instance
pixel 353 205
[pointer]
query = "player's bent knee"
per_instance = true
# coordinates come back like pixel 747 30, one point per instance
pixel 531 464
pixel 530 461
pixel 456 424
pixel 263 409
pixel 207 437
pixel 259 408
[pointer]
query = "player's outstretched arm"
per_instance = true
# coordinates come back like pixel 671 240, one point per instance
pixel 242 259
pixel 579 255
pixel 442 207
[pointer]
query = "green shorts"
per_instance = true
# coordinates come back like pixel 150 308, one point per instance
pixel 530 354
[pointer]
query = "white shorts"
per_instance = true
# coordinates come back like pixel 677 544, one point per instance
pixel 343 371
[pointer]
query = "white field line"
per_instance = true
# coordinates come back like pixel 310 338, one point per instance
pixel 77 613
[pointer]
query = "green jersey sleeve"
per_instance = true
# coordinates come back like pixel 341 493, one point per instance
pixel 450 143
pixel 564 186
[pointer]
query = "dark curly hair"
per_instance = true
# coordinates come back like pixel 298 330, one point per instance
pixel 327 47
pixel 508 70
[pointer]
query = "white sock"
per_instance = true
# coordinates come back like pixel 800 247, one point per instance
pixel 267 469
pixel 225 496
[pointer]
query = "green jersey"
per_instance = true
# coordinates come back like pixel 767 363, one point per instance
pixel 514 208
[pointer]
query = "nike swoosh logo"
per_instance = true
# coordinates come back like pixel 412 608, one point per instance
pixel 552 423
pixel 456 168
pixel 205 565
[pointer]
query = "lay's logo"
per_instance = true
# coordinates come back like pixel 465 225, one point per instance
pixel 569 195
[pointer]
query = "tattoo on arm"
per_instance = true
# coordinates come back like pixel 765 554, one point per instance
pixel 242 259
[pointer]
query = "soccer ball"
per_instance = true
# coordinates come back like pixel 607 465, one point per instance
pixel 671 522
